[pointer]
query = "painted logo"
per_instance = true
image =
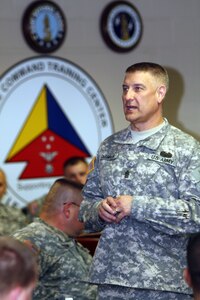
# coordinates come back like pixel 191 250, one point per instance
pixel 50 110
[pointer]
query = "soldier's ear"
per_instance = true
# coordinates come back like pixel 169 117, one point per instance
pixel 161 91
pixel 66 209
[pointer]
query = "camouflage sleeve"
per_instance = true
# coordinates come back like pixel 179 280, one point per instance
pixel 174 216
pixel 43 259
pixel 92 195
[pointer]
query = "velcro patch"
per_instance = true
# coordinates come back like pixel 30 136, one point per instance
pixel 91 165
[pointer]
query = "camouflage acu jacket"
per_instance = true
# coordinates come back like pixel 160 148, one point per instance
pixel 162 172
pixel 11 219
pixel 64 264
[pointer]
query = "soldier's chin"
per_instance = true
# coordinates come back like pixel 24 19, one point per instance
pixel 129 117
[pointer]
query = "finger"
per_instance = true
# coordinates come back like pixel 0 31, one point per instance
pixel 107 207
pixel 106 216
pixel 111 202
pixel 119 216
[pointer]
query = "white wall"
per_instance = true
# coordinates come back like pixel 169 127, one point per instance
pixel 170 37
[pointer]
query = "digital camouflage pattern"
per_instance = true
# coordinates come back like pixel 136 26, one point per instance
pixel 117 292
pixel 145 250
pixel 35 207
pixel 11 219
pixel 63 263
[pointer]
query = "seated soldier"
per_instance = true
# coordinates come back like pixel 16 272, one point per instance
pixel 75 168
pixel 18 270
pixel 63 263
pixel 11 218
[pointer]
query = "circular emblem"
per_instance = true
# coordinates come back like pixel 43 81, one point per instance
pixel 121 26
pixel 55 111
pixel 44 26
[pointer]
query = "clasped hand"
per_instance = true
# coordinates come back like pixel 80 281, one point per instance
pixel 113 210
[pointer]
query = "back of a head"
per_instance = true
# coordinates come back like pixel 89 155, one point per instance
pixel 61 191
pixel 18 267
pixel 193 261
pixel 155 69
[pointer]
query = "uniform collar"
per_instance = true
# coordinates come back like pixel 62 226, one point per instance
pixel 152 142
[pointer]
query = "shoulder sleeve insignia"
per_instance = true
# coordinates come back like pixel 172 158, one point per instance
pixel 31 246
pixel 91 165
